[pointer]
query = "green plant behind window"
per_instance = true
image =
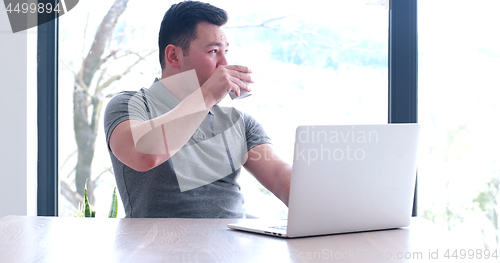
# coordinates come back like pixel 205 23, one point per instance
pixel 85 210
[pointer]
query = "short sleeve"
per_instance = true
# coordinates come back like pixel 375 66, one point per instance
pixel 122 107
pixel 255 133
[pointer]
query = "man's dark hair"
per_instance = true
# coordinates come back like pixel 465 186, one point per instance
pixel 178 26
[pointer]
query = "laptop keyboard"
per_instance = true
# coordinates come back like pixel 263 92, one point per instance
pixel 279 227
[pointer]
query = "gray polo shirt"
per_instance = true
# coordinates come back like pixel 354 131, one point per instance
pixel 200 180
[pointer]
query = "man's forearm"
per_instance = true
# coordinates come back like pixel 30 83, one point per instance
pixel 168 133
pixel 282 183
pixel 273 173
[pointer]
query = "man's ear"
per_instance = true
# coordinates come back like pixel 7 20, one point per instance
pixel 172 54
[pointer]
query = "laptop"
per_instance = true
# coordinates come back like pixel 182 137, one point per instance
pixel 347 178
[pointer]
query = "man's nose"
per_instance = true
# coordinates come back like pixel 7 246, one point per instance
pixel 222 60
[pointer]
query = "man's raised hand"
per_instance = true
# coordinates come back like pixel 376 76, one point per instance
pixel 223 80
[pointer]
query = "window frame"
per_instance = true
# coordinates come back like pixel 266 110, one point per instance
pixel 403 66
pixel 47 88
pixel 402 92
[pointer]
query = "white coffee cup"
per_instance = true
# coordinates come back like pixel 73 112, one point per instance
pixel 243 93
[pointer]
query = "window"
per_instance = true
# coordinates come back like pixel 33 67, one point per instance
pixel 312 64
pixel 309 68
pixel 459 165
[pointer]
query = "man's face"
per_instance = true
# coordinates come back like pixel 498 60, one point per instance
pixel 206 52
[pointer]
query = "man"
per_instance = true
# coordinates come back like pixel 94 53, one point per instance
pixel 175 153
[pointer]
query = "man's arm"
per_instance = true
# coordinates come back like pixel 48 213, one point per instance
pixel 145 145
pixel 270 170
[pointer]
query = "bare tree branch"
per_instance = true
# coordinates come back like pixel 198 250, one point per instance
pixel 107 170
pixel 103 72
pixel 114 78
pixel 80 83
pixel 263 24
pixel 104 32
pixel 69 156
pixel 112 53
pixel 85 35
pixel 66 66
pixel 97 99
pixel 73 197
pixel 85 132
pixel 71 172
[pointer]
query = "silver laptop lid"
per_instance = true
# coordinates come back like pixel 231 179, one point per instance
pixel 351 178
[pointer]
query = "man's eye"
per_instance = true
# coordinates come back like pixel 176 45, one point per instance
pixel 213 51
pixel 225 51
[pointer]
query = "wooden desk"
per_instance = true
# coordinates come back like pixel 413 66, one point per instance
pixel 52 239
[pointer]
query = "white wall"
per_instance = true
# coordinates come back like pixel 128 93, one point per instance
pixel 17 189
